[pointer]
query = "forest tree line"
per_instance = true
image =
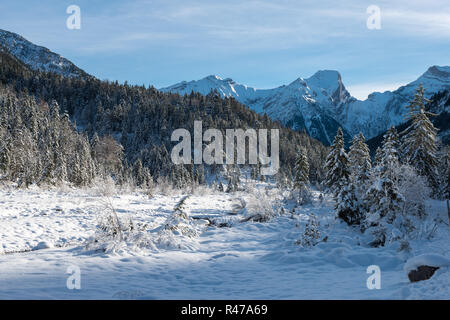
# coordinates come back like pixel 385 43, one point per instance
pixel 124 131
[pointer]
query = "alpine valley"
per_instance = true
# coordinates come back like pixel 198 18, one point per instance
pixel 93 204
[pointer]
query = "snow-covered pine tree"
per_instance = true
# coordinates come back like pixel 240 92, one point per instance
pixel 311 234
pixel 446 176
pixel 383 200
pixel 336 166
pixel 378 157
pixel 349 205
pixel 284 181
pixel 301 178
pixel 138 172
pixel 82 166
pixel 181 176
pixel 447 192
pixel 443 158
pixel 148 179
pixel 385 203
pixel 419 139
pixel 87 161
pixel 390 155
pixel 5 153
pixel 359 160
pixel 444 173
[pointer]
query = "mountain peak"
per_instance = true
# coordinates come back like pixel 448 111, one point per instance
pixel 213 77
pixel 326 75
pixel 329 80
pixel 439 71
pixel 38 57
pixel 435 79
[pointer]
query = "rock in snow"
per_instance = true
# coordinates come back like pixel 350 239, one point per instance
pixel 424 266
pixel 422 273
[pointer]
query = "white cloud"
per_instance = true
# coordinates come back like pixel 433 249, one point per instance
pixel 436 24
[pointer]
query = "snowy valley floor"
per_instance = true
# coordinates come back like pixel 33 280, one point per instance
pixel 42 233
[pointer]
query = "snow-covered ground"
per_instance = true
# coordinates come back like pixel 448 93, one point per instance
pixel 43 233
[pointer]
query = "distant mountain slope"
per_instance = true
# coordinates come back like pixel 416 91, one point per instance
pixel 321 103
pixel 308 104
pixel 37 57
pixel 382 110
pixel 440 105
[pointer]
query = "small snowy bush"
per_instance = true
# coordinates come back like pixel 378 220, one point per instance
pixel 311 234
pixel 105 187
pixel 178 231
pixel 262 206
pixel 414 189
pixel 164 186
pixel 305 196
pixel 114 234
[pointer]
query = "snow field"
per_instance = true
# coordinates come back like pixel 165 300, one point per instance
pixel 43 232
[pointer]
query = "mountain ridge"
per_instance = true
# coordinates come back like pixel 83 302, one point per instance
pixel 38 57
pixel 321 103
pixel 303 98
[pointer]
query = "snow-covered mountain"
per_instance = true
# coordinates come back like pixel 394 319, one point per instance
pixel 321 103
pixel 309 104
pixel 37 57
pixel 381 110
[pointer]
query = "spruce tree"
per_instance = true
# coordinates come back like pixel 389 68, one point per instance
pixel 301 178
pixel 5 154
pixel 419 139
pixel 383 199
pixel 389 155
pixel 359 159
pixel 444 173
pixel 336 166
pixel 138 173
pixel 349 205
pixel 301 170
pixel 378 157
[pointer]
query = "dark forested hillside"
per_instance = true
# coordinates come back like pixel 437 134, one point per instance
pixel 141 121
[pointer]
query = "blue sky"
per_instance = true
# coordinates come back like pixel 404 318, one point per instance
pixel 259 43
